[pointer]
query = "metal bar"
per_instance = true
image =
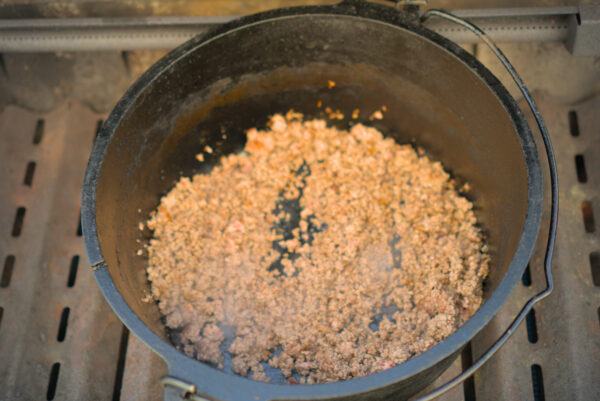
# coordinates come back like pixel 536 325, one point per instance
pixel 93 34
pixel 509 29
pixel 118 22
pixel 105 39
pixel 541 24
pixel 516 12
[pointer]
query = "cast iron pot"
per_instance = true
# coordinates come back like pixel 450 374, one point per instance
pixel 437 96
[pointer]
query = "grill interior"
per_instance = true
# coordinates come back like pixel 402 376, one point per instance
pixel 60 340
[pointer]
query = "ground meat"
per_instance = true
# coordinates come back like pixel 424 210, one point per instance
pixel 327 254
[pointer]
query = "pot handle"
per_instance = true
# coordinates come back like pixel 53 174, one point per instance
pixel 553 212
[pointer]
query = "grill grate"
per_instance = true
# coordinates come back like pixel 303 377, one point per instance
pixel 555 353
pixel 59 339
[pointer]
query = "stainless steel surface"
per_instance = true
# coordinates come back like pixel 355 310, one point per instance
pixel 510 25
pixel 143 370
pixel 516 12
pixel 584 31
pixel 532 24
pixel 31 35
pixel 37 336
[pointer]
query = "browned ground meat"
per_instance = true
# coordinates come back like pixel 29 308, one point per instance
pixel 381 261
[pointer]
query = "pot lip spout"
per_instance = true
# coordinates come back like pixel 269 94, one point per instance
pixel 227 386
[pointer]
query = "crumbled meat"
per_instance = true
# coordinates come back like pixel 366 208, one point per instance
pixel 383 260
pixel 377 115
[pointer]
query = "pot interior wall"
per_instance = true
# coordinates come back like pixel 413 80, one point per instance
pixel 238 80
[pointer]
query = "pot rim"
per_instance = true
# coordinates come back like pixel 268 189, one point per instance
pixel 230 386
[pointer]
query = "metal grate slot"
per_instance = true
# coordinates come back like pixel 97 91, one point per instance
pixel 595 266
pixel 29 171
pixel 98 128
pixel 588 217
pixel 79 225
pixel 73 271
pixel 39 131
pixel 538 383
pixel 62 327
pixel 469 384
pixel 121 364
pixel 573 123
pixel 9 264
pixel 2 313
pixel 580 167
pixel 3 65
pixel 526 279
pixel 530 322
pixel 18 224
pixel 53 382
